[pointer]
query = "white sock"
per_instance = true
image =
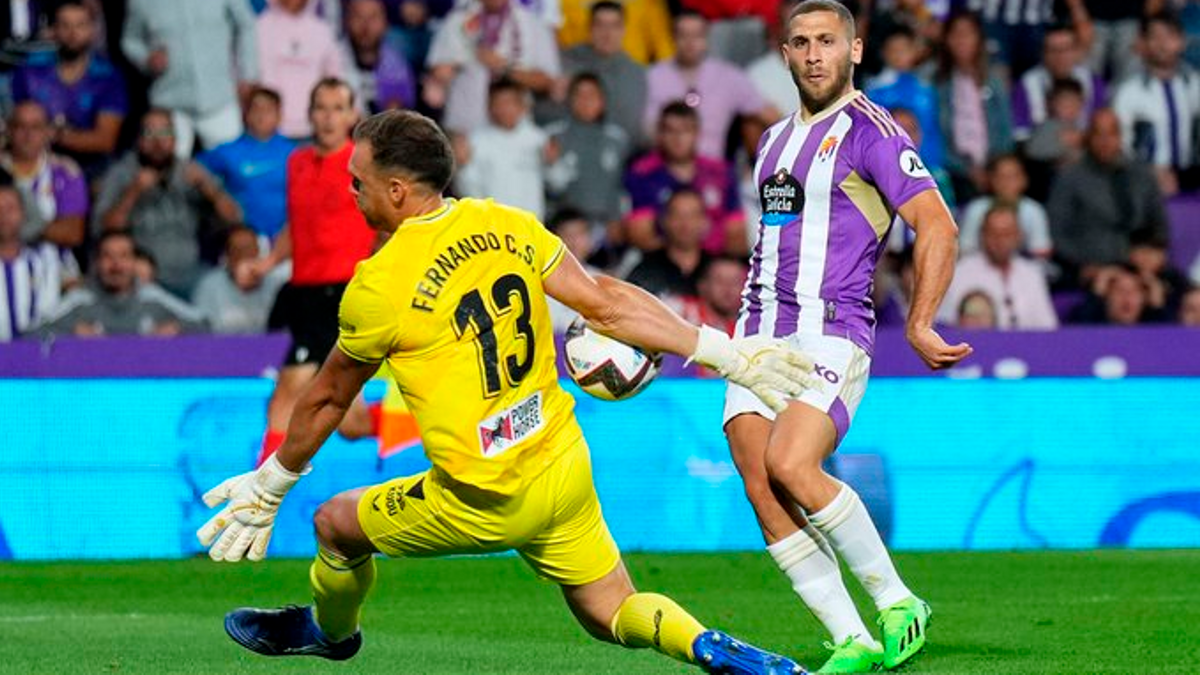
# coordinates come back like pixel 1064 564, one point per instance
pixel 817 580
pixel 847 525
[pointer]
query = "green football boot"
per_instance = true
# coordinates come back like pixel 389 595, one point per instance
pixel 852 656
pixel 903 626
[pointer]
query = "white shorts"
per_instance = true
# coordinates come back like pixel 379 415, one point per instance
pixel 842 368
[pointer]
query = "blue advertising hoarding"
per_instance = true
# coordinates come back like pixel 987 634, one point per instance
pixel 112 468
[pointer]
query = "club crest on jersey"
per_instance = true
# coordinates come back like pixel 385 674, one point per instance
pixel 782 199
pixel 827 147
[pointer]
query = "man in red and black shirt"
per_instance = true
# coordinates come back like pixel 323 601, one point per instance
pixel 325 237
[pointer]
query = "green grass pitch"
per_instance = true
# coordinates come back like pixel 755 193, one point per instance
pixel 1060 612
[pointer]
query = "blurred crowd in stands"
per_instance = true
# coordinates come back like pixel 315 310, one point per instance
pixel 149 168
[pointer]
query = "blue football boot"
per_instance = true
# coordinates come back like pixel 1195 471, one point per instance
pixel 717 652
pixel 289 631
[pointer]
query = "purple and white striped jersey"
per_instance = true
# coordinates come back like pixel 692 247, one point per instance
pixel 829 189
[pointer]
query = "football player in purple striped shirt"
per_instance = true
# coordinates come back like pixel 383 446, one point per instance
pixel 830 179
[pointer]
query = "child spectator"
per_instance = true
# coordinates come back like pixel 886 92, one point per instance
pixel 1058 139
pixel 1189 308
pixel 254 167
pixel 899 86
pixel 591 156
pixel 506 158
pixel 976 311
pixel 1008 182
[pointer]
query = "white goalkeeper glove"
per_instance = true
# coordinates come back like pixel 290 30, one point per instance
pixel 243 528
pixel 767 366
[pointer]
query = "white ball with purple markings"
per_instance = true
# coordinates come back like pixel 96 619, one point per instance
pixel 606 368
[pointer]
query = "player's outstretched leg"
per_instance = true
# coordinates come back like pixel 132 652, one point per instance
pixel 288 631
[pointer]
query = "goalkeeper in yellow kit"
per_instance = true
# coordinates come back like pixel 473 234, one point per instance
pixel 455 303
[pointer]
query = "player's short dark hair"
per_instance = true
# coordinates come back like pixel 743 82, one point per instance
pixel 606 6
pixel 259 91
pixel 505 84
pixel 329 83
pixel 1166 17
pixel 812 6
pixel 678 109
pixel 408 142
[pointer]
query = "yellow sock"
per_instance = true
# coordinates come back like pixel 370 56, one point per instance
pixel 653 620
pixel 339 587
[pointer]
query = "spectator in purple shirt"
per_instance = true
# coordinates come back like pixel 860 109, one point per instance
pixel 384 80
pixel 81 91
pixel 674 164
pixel 52 186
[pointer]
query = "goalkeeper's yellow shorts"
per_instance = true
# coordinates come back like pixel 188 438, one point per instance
pixel 555 524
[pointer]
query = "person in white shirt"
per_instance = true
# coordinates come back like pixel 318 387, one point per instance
pixel 482 42
pixel 1016 285
pixel 32 277
pixel 1007 182
pixel 506 158
pixel 1159 107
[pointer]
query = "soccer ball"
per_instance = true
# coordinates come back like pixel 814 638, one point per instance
pixel 607 368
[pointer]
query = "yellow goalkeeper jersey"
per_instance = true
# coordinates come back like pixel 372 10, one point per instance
pixel 454 303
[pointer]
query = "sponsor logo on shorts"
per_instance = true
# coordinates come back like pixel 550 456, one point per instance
pixel 509 427
pixel 397 496
pixel 826 374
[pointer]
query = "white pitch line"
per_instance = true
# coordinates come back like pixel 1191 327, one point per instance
pixel 36 618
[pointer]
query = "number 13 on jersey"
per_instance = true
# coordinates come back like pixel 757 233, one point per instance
pixel 478 311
